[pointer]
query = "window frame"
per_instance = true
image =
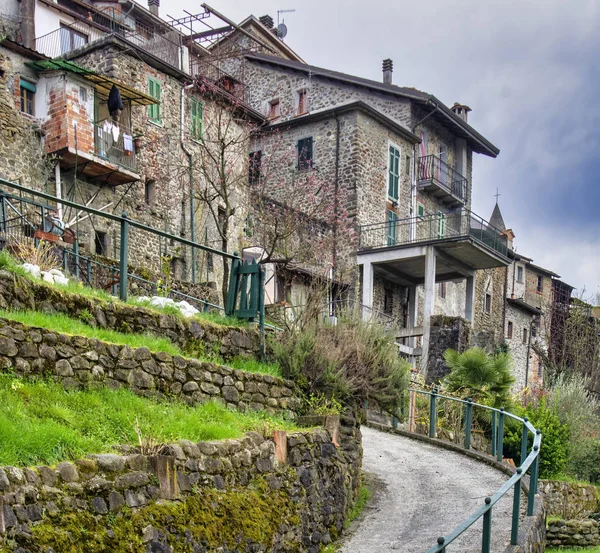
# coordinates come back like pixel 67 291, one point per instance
pixel 301 101
pixel 420 210
pixel 487 305
pixel 196 120
pixel 442 291
pixel 524 336
pixel 509 330
pixel 27 97
pixel 393 189
pixel 275 103
pixel 305 163
pixel 154 110
pixel 68 32
pixel 521 272
pixel 540 285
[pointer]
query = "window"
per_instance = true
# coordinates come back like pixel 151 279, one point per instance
pixel 27 93
pixel 274 109
pixel 420 210
pixel 525 336
pixel 533 330
pixel 392 220
pixel 305 153
pixel 441 231
pixel 100 243
pixel 82 94
pixel 442 289
pixel 70 39
pixel 197 117
pixel 301 105
pixel 388 301
pixel 519 274
pixel 488 303
pixel 150 191
pixel 540 284
pixel 509 331
pixel 393 173
pixel 254 162
pixel 154 111
pixel 407 166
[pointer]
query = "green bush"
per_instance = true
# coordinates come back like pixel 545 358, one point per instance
pixel 584 463
pixel 554 452
pixel 352 361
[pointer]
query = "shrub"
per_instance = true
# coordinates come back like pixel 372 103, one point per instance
pixel 44 255
pixel 554 451
pixel 585 461
pixel 352 361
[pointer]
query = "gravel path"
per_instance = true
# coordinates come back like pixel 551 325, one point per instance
pixel 422 492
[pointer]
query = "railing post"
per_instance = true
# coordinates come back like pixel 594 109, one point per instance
pixel 432 413
pixel 124 255
pixel 514 532
pixel 441 541
pixel 3 211
pixel 261 309
pixel 76 258
pixel 524 437
pixel 500 442
pixel 468 423
pixel 486 536
pixel 494 444
pixel 533 475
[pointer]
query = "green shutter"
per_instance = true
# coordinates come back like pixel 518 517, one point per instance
pixel 197 115
pixel 28 86
pixel 394 173
pixel 441 224
pixel 392 219
pixel 420 210
pixel 154 111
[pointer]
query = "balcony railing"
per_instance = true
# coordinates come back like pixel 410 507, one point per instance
pixel 434 227
pixel 432 169
pixel 114 148
pixel 163 43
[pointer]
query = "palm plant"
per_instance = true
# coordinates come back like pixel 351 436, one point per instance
pixel 483 377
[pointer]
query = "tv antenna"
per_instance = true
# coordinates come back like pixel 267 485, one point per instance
pixel 282 27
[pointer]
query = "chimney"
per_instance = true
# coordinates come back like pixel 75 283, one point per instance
pixel 153 6
pixel 461 110
pixel 27 12
pixel 388 67
pixel 267 21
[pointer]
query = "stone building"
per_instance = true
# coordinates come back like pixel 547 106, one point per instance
pixel 401 167
pixel 150 159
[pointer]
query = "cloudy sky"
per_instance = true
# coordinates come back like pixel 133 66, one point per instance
pixel 530 70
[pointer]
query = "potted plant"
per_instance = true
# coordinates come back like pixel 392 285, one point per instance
pixel 137 139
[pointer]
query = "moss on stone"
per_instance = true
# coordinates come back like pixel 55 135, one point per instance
pixel 210 519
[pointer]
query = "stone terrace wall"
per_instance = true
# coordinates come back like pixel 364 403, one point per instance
pixel 583 533
pixel 446 332
pixel 193 336
pixel 77 361
pixel 313 480
pixel 570 500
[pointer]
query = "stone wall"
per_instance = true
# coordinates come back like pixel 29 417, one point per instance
pixel 519 350
pixel 195 337
pixel 205 496
pixel 570 500
pixel 488 330
pixel 582 533
pixel 446 332
pixel 77 362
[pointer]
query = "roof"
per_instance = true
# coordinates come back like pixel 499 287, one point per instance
pixel 343 108
pixel 102 83
pixel 461 128
pixel 547 272
pixel 23 50
pixel 496 219
pixel 525 306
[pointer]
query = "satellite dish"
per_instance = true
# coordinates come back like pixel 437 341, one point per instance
pixel 281 30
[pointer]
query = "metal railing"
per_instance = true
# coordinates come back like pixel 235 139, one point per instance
pixel 162 42
pixel 529 461
pixel 119 151
pixel 441 226
pixel 432 168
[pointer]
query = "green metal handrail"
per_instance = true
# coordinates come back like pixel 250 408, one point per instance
pixel 528 462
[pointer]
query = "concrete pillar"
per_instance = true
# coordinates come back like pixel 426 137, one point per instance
pixel 412 312
pixel 367 290
pixel 428 304
pixel 470 299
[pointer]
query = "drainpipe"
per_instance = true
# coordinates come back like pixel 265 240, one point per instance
pixel 336 198
pixel 191 176
pixel 59 206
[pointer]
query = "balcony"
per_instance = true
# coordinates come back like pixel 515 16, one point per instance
pixel 446 184
pixel 463 241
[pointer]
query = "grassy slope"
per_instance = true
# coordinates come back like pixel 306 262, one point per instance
pixel 41 423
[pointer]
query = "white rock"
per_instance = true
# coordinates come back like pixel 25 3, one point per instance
pixel 62 280
pixel 32 269
pixel 47 277
pixel 57 272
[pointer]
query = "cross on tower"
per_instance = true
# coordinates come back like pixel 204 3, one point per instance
pixel 497 195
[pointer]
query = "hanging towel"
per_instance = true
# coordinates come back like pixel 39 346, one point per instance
pixel 115 132
pixel 127 143
pixel 107 126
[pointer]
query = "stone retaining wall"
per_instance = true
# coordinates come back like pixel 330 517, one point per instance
pixel 582 533
pixel 570 500
pixel 130 502
pixel 194 336
pixel 77 361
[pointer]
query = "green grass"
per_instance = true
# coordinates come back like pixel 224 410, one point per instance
pixel 8 263
pixel 74 327
pixel 41 423
pixel 253 366
pixel 364 495
pixel 574 549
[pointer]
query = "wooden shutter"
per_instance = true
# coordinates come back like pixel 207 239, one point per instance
pixel 392 218
pixel 420 210
pixel 441 224
pixel 154 111
pixel 394 173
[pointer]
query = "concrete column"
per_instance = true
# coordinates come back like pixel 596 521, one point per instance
pixel 412 311
pixel 470 299
pixel 428 304
pixel 367 290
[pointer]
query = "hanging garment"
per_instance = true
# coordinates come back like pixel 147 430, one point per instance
pixel 107 126
pixel 114 100
pixel 127 143
pixel 115 132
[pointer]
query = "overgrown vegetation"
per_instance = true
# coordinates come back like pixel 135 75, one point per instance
pixel 41 423
pixel 352 361
pixel 364 495
pixel 58 322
